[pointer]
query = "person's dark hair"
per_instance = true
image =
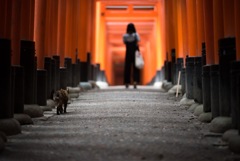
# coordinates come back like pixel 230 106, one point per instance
pixel 131 28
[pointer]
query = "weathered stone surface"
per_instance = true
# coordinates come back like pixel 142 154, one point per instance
pixel 221 124
pixel 23 119
pixel 193 107
pixel 117 124
pixel 10 126
pixel 85 85
pixel 185 101
pixel 94 84
pixel 198 110
pixel 229 134
pixel 74 90
pixel 73 95
pixel 234 144
pixel 167 85
pixel 51 103
pixel 46 108
pixel 33 111
pixel 205 117
pixel 174 89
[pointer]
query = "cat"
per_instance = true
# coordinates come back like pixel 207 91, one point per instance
pixel 60 97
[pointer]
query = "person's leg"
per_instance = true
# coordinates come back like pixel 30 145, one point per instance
pixel 136 76
pixel 127 72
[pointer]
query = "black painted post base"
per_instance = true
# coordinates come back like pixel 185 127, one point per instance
pixel 206 89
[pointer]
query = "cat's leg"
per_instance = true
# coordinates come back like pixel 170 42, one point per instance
pixel 65 107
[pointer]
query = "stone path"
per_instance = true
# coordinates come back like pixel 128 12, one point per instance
pixel 118 124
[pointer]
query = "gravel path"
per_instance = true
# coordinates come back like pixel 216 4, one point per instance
pixel 118 124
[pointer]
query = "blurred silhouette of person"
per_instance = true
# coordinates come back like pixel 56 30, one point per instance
pixel 131 39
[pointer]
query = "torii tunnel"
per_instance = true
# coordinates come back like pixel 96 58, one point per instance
pixel 46 45
pixel 73 28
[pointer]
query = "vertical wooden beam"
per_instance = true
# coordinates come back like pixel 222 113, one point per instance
pixel 85 17
pixel 5 17
pixel 61 30
pixel 200 26
pixel 208 23
pixel 192 27
pixel 90 31
pixel 229 20
pixel 218 26
pixel 185 28
pixel 75 13
pixel 237 26
pixel 181 28
pixel 68 29
pixel 27 19
pixel 170 22
pixel 160 35
pixel 53 27
pixel 47 29
pixel 15 31
pixel 39 30
pixel 162 31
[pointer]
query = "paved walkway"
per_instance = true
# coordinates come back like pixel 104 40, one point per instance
pixel 118 124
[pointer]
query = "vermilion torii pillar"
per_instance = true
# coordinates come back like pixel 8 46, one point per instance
pixel 218 26
pixel 39 30
pixel 61 30
pixel 208 24
pixel 192 27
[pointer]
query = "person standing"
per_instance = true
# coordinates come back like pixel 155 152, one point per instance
pixel 131 39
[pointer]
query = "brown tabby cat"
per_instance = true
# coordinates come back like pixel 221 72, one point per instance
pixel 61 99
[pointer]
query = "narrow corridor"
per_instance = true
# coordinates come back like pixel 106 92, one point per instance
pixel 118 124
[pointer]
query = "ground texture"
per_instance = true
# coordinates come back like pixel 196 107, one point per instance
pixel 118 124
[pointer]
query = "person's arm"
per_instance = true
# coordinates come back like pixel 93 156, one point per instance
pixel 124 38
pixel 138 39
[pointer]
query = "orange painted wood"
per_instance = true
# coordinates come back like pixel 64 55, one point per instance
pixel 68 31
pixel 39 31
pixel 237 26
pixel 75 27
pixel 175 27
pixel 27 19
pixel 5 17
pixel 90 26
pixel 185 29
pixel 53 27
pixel 180 33
pixel 160 28
pixel 15 31
pixel 71 32
pixel 104 51
pixel 192 27
pixel 229 20
pixel 61 30
pixel 182 29
pixel 218 26
pixel 170 32
pixel 200 26
pixel 84 32
pixel 209 36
